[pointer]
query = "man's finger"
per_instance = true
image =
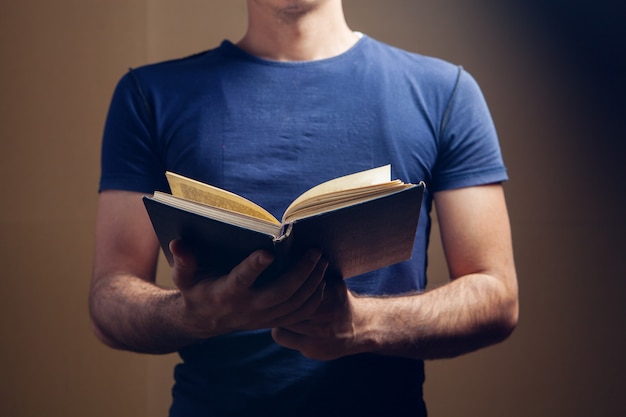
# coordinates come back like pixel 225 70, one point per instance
pixel 245 274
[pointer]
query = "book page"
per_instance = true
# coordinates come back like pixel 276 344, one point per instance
pixel 209 195
pixel 226 216
pixel 338 200
pixel 340 185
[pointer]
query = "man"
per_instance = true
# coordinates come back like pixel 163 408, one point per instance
pixel 300 99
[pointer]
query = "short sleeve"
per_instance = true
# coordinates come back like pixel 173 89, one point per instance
pixel 130 158
pixel 468 150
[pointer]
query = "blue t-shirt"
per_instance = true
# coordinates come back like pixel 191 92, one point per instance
pixel 269 131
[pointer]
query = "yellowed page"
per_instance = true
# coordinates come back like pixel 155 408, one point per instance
pixel 361 179
pixel 342 199
pixel 197 191
pixel 228 216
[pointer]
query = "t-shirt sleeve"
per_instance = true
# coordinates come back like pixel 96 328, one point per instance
pixel 469 152
pixel 130 158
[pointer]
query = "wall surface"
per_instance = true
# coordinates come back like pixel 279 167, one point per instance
pixel 553 74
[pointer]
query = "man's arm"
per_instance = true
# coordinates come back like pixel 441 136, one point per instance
pixel 130 311
pixel 477 308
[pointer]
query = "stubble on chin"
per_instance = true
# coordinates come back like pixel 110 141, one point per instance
pixel 292 10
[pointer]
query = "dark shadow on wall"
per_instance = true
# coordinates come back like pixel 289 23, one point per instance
pixel 585 42
pixel 590 36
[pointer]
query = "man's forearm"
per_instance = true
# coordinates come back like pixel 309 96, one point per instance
pixel 467 314
pixel 132 314
pixel 135 314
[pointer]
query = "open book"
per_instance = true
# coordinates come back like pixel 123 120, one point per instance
pixel 360 222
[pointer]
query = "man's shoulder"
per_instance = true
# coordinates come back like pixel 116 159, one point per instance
pixel 412 61
pixel 405 55
pixel 189 63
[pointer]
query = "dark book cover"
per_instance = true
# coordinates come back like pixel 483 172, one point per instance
pixel 355 239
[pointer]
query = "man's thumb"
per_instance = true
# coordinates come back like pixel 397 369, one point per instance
pixel 184 270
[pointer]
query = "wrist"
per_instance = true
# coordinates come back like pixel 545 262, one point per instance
pixel 368 328
pixel 191 324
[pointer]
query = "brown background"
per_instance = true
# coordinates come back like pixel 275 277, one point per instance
pixel 552 73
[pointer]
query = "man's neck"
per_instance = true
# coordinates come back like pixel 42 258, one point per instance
pixel 311 34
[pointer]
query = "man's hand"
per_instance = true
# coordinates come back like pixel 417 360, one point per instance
pixel 330 332
pixel 214 306
pixel 479 307
pixel 130 311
